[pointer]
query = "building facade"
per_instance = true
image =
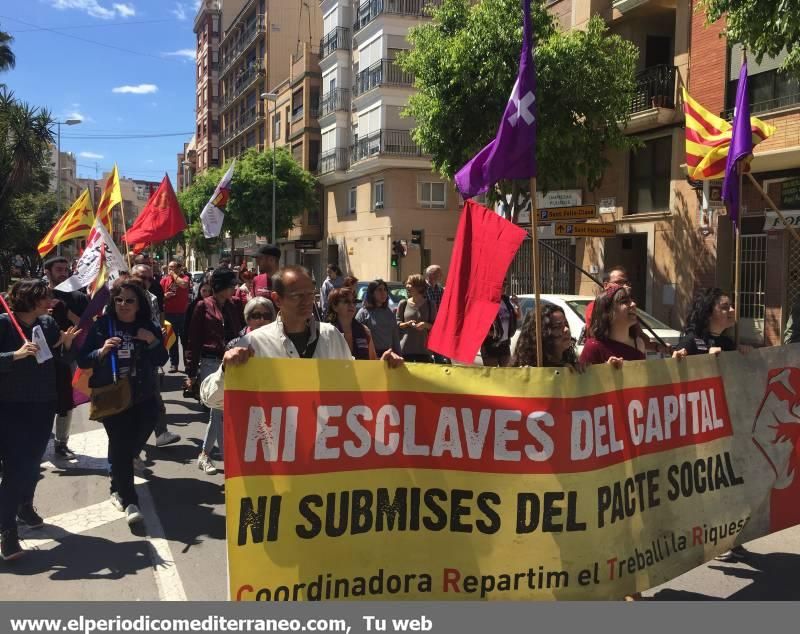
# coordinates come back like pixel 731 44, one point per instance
pixel 212 18
pixel 379 187
pixel 187 165
pixel 256 49
pixel 64 181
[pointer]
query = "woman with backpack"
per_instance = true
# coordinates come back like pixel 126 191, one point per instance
pixel 415 317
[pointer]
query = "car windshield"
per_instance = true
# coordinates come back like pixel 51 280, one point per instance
pixel 579 306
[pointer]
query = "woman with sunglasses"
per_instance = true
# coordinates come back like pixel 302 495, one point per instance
pixel 341 313
pixel 125 344
pixel 378 317
pixel 258 312
pixel 28 397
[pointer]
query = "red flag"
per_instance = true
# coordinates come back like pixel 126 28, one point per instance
pixel 484 247
pixel 160 219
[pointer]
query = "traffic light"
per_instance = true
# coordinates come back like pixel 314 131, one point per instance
pixel 417 236
pixel 397 252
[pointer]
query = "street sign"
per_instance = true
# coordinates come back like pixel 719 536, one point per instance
pixel 586 229
pixel 772 221
pixel 579 212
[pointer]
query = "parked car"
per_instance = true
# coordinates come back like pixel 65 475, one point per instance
pixel 574 307
pixel 397 293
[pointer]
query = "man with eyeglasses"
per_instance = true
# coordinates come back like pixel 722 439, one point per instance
pixel 617 276
pixel 295 334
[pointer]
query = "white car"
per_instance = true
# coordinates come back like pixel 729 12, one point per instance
pixel 574 307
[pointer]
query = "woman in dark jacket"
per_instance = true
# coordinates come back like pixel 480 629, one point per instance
pixel 341 313
pixel 496 348
pixel 124 344
pixel 28 403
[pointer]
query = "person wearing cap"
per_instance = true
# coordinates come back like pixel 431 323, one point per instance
pixel 215 321
pixel 268 259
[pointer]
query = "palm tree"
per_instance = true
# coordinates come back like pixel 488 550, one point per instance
pixel 7 58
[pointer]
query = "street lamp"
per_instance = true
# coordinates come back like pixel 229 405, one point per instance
pixel 272 97
pixel 58 166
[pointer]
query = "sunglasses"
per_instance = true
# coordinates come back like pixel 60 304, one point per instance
pixel 125 300
pixel 259 316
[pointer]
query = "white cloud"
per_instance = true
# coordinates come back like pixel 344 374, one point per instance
pixel 95 9
pixel 141 89
pixel 179 11
pixel 90 155
pixel 74 114
pixel 148 160
pixel 125 10
pixel 188 53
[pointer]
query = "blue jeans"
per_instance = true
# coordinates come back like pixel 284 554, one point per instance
pixel 214 431
pixel 176 319
pixel 24 433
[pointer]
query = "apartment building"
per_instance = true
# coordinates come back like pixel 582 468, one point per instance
pixel 256 49
pixel 770 261
pixel 187 165
pixel 379 186
pixel 294 125
pixel 63 172
pixel 209 23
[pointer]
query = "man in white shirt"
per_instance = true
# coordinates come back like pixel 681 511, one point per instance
pixel 295 334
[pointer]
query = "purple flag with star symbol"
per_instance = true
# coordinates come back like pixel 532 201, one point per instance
pixel 512 153
pixel 741 147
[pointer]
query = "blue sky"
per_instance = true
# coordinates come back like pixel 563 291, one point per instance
pixel 148 88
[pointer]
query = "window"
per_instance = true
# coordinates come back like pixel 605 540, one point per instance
pixel 432 195
pixel 288 122
pixel 351 200
pixel 276 127
pixel 377 194
pixel 769 89
pixel 650 176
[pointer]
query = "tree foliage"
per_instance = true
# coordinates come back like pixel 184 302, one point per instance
pixel 249 209
pixel 7 58
pixel 764 27
pixel 465 63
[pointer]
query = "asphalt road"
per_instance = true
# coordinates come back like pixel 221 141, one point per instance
pixel 87 551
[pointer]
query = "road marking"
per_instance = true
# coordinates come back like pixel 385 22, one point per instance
pixel 91 447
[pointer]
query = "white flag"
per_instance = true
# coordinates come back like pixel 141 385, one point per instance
pixel 214 212
pixel 90 264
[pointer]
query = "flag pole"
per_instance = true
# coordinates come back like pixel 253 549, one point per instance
pixel 769 200
pixel 738 263
pixel 535 272
pixel 125 229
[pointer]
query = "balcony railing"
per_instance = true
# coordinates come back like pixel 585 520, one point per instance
pixel 778 103
pixel 241 124
pixel 339 99
pixel 242 83
pixel 655 88
pixel 382 73
pixel 336 39
pixel 392 142
pixel 368 10
pixel 333 161
pixel 239 46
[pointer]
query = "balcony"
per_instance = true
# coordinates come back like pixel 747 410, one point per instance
pixel 335 40
pixel 367 11
pixel 655 88
pixel 297 115
pixel 238 46
pixel 242 83
pixel 382 73
pixel 760 107
pixel 384 142
pixel 333 161
pixel 339 99
pixel 241 124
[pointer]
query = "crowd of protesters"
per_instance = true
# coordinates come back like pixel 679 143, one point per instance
pixel 234 315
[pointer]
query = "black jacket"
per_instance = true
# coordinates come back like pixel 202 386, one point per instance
pixel 146 359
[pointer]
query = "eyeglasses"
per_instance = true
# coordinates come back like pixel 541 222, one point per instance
pixel 125 300
pixel 259 316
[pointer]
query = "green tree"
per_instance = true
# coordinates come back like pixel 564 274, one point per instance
pixel 465 63
pixel 249 209
pixel 7 58
pixel 764 27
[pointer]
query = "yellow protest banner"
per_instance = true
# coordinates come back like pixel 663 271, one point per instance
pixel 351 481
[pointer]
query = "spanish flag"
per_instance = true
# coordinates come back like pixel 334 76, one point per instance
pixel 76 223
pixel 111 196
pixel 708 139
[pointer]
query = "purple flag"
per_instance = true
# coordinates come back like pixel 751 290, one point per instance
pixel 512 153
pixel 741 147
